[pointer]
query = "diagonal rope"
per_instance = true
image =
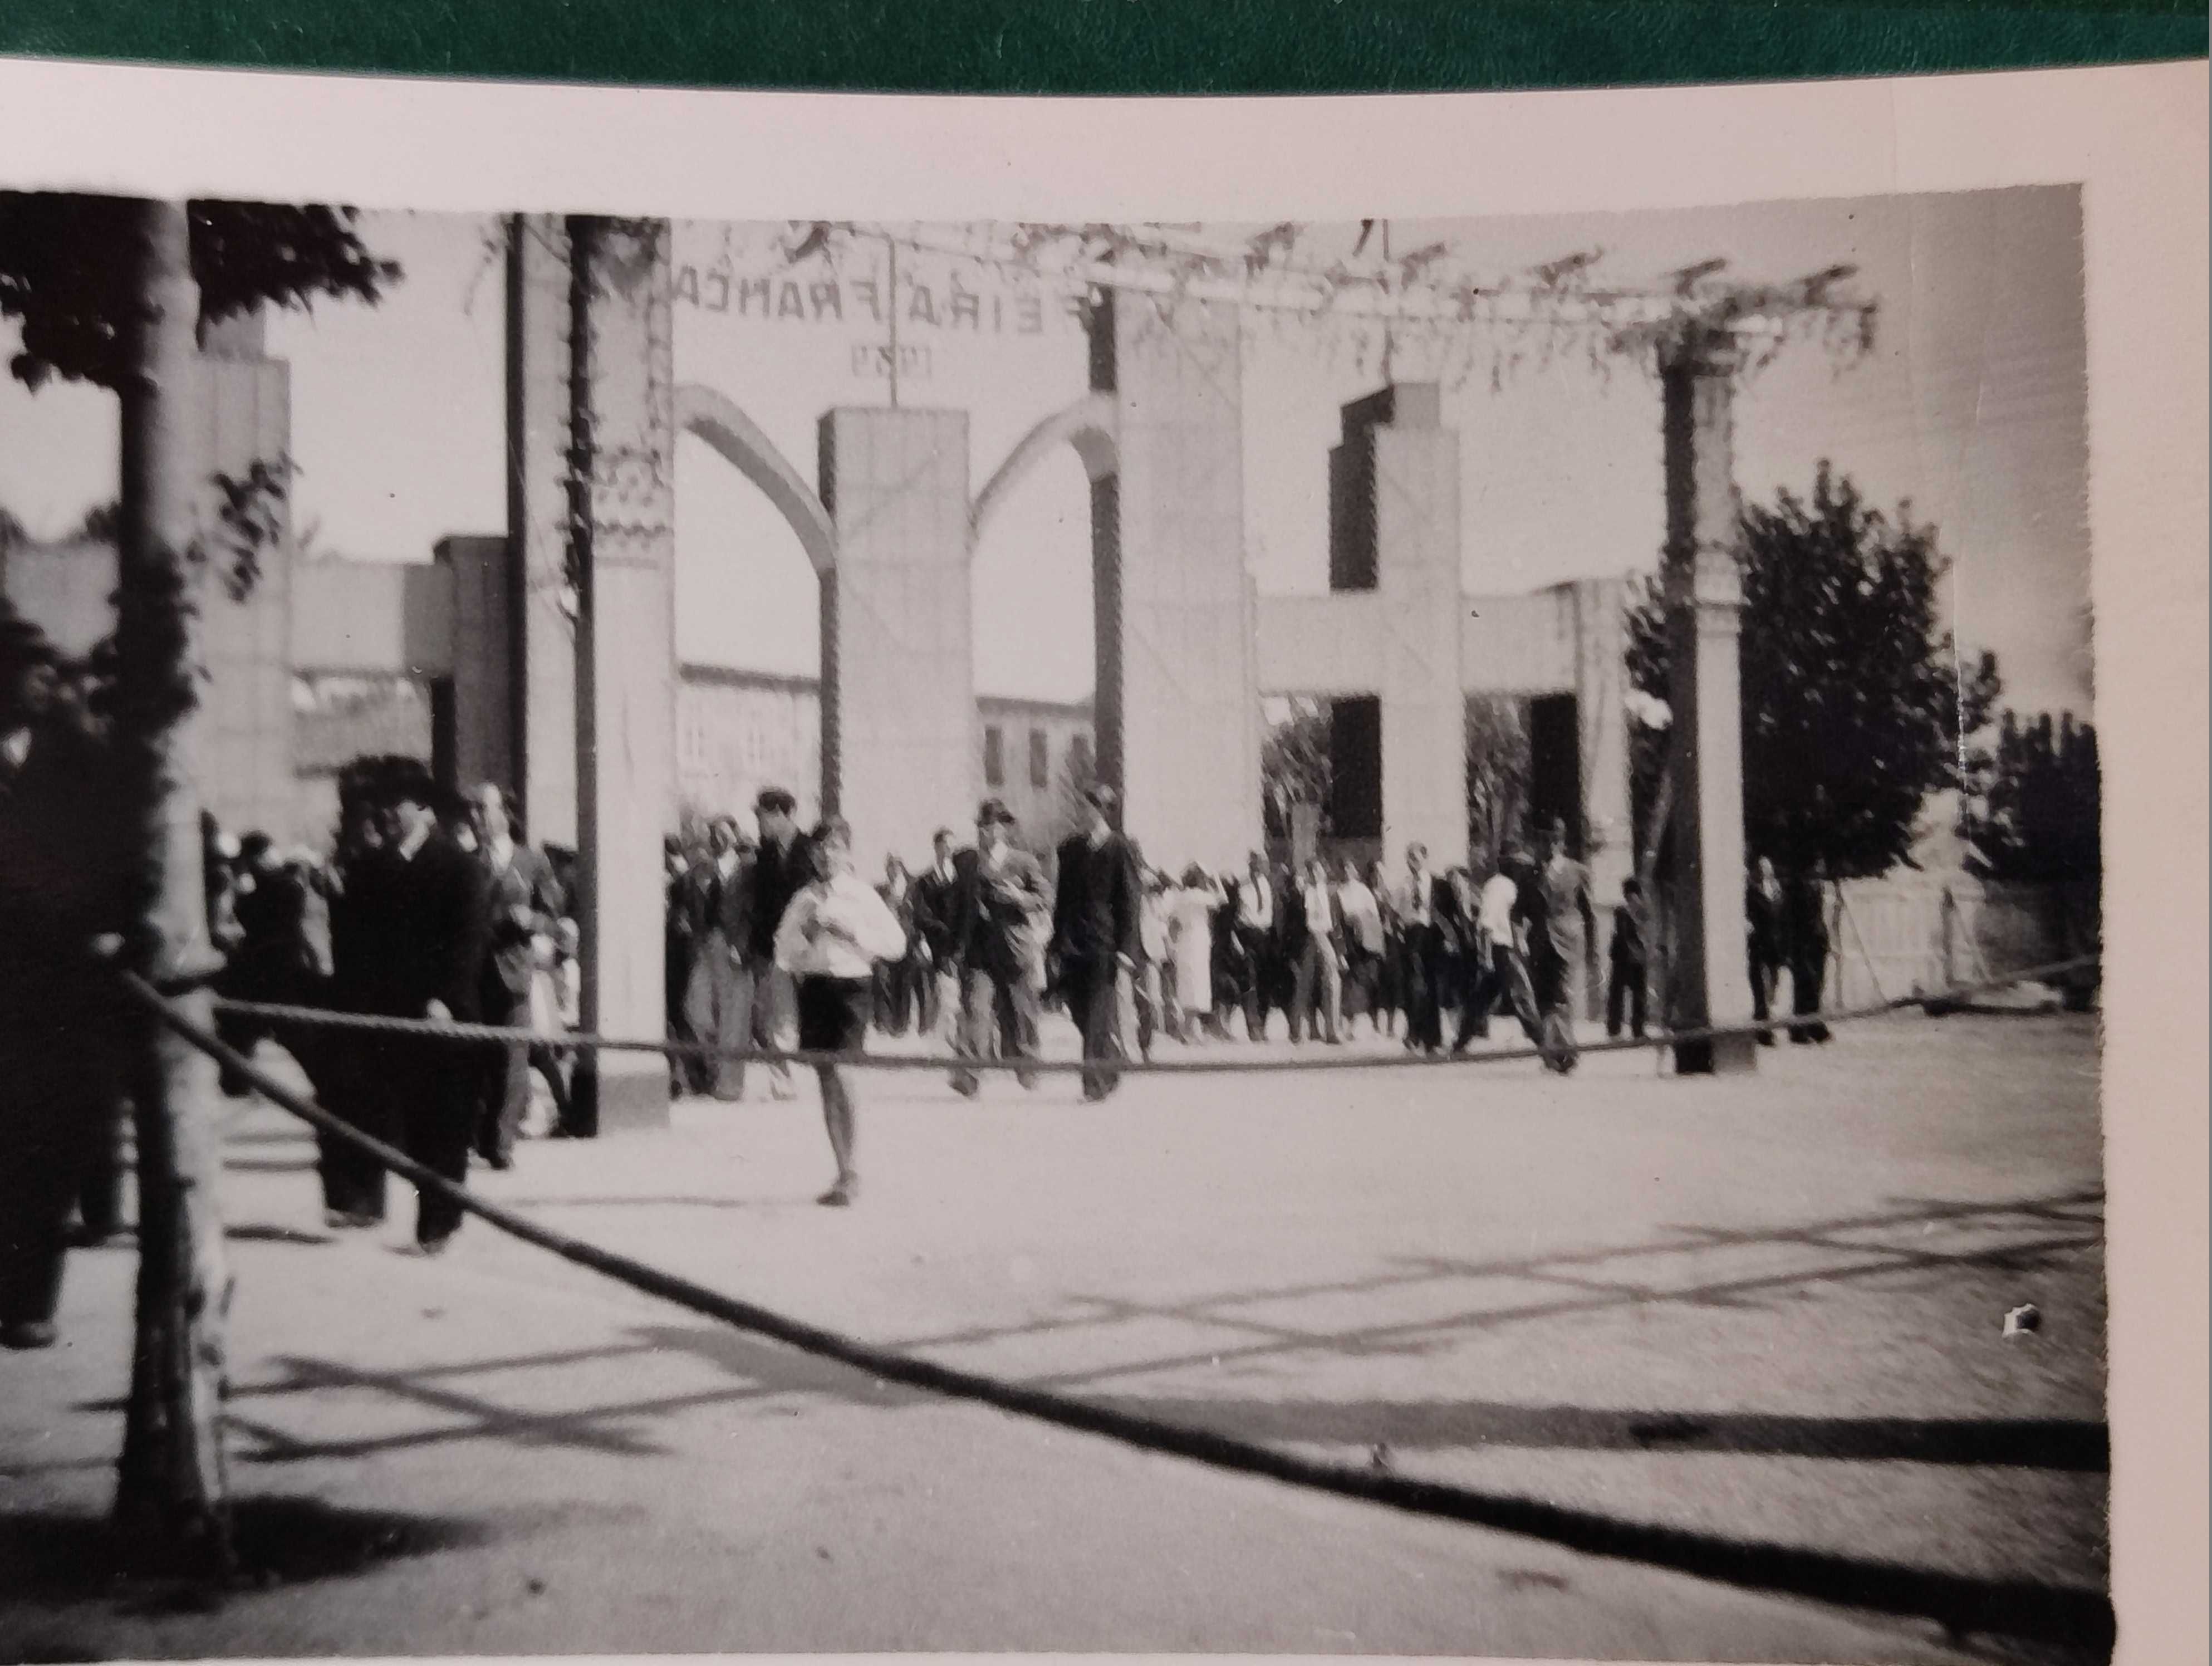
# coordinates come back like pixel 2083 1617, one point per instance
pixel 1963 1605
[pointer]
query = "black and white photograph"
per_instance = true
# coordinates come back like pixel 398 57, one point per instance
pixel 1278 931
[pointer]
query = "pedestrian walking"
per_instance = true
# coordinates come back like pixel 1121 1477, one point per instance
pixel 832 936
pixel 780 868
pixel 1097 935
pixel 997 889
pixel 1629 959
pixel 1313 936
pixel 1765 943
pixel 522 901
pixel 66 882
pixel 720 1007
pixel 1557 951
pixel 423 959
pixel 1805 931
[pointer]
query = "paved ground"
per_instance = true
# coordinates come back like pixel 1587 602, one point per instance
pixel 1744 1333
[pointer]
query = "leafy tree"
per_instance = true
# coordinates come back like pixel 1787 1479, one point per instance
pixel 1497 774
pixel 67 272
pixel 1294 764
pixel 1852 708
pixel 120 293
pixel 2037 820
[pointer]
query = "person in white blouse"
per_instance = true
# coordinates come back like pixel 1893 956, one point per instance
pixel 832 936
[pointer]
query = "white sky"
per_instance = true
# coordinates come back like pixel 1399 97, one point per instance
pixel 1972 407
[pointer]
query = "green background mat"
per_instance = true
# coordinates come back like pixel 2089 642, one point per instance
pixel 1100 46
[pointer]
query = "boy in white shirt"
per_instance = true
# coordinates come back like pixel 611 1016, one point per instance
pixel 830 941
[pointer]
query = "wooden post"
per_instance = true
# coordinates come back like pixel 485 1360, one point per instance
pixel 171 1500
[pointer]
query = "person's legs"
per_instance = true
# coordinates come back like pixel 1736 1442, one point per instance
pixel 705 1019
pixel 1332 995
pixel 1303 976
pixel 55 1117
pixel 1806 974
pixel 773 1022
pixel 505 1088
pixel 434 1109
pixel 1762 997
pixel 100 1192
pixel 838 1119
pixel 1093 999
pixel 736 992
pixel 974 1012
pixel 1018 1004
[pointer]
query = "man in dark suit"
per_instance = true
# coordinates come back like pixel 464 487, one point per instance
pixel 996 887
pixel 1098 933
pixel 1765 941
pixel 521 902
pixel 66 878
pixel 1805 937
pixel 782 868
pixel 932 938
pixel 425 896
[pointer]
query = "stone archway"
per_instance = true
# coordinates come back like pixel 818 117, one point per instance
pixel 714 417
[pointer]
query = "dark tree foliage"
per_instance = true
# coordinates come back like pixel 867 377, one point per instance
pixel 1294 764
pixel 1852 705
pixel 66 270
pixel 2038 820
pixel 1498 763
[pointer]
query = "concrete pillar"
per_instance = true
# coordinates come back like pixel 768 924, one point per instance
pixel 1395 479
pixel 1709 983
pixel 899 756
pixel 246 776
pixel 622 390
pixel 1178 704
pixel 1601 613
pixel 479 736
pixel 541 642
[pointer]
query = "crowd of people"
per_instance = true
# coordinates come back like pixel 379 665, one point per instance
pixel 432 905
pixel 992 936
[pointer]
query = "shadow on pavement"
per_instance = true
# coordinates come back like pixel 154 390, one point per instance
pixel 2038 1442
pixel 57 1561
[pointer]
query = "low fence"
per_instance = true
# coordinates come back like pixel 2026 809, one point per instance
pixel 1912 933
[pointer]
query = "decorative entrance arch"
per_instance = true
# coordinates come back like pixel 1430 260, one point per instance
pixel 736 439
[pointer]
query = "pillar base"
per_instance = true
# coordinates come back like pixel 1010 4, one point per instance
pixel 1720 1055
pixel 619 1094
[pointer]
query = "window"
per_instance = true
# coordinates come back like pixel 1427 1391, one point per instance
pixel 1040 759
pixel 994 763
pixel 1079 767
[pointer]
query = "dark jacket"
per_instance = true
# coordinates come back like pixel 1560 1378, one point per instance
pixel 1099 912
pixel 1299 926
pixel 779 873
pixel 1766 934
pixel 1628 946
pixel 66 872
pixel 418 931
pixel 933 895
pixel 1804 917
pixel 522 901
pixel 991 912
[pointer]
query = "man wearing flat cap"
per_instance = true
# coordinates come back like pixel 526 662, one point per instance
pixel 1098 933
pixel 997 886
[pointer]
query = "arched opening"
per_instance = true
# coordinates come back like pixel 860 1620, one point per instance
pixel 752 542
pixel 1033 574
